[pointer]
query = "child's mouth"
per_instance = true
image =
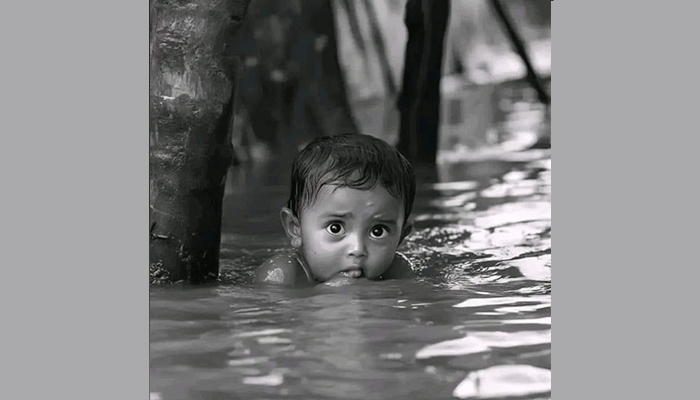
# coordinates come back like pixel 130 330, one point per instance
pixel 351 273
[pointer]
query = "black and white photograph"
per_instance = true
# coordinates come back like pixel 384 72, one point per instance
pixel 350 199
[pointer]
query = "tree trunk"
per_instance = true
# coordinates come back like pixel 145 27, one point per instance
pixel 191 88
pixel 321 106
pixel 419 101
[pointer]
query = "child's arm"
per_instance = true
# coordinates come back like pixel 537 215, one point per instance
pixel 400 268
pixel 281 270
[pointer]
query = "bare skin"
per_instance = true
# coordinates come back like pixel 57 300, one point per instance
pixel 287 270
pixel 346 233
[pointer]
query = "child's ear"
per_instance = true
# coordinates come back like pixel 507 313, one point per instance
pixel 407 229
pixel 291 226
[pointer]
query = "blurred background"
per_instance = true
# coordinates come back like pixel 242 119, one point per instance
pixel 321 67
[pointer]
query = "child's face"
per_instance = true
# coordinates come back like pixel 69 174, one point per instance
pixel 348 229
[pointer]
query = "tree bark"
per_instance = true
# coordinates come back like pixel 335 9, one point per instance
pixel 191 89
pixel 419 101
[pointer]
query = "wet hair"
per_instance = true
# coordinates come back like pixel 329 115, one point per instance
pixel 350 160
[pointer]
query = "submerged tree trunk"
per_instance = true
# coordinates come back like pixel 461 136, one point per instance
pixel 191 88
pixel 419 101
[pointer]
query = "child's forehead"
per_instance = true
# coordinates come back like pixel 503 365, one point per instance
pixel 332 196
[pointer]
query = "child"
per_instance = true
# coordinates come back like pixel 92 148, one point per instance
pixel 351 196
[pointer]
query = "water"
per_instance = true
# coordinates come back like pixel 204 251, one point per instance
pixel 476 321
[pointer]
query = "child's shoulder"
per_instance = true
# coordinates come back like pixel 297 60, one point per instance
pixel 283 269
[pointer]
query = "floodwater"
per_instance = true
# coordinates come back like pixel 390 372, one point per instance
pixel 476 323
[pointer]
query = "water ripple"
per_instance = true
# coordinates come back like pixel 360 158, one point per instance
pixel 505 381
pixel 475 323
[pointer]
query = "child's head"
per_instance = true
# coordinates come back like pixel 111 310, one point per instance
pixel 349 206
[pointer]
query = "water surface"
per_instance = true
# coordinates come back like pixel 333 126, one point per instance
pixel 476 321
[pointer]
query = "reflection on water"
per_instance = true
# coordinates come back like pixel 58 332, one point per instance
pixel 476 323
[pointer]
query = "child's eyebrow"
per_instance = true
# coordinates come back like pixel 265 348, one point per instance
pixel 385 220
pixel 338 215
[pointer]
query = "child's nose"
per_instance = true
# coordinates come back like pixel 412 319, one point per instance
pixel 357 246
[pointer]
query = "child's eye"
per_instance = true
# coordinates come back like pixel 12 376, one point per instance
pixel 335 228
pixel 378 232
